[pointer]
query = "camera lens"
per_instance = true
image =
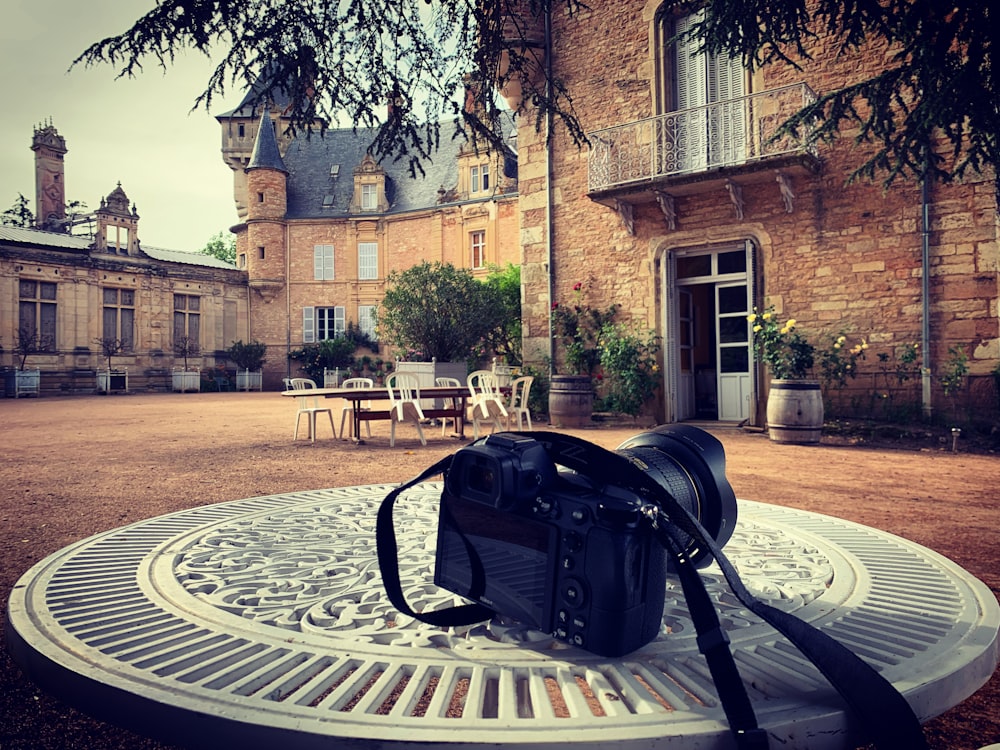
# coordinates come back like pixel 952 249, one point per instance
pixel 689 464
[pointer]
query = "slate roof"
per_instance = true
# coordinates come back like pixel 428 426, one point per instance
pixel 265 147
pixel 314 191
pixel 59 241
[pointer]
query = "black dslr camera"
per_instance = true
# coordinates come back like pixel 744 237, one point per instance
pixel 569 552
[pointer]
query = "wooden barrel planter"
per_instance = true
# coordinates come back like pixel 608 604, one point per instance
pixel 571 400
pixel 795 411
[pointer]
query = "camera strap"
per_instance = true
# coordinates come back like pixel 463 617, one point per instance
pixel 884 713
pixel 388 563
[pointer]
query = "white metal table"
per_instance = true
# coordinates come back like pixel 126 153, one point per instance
pixel 262 623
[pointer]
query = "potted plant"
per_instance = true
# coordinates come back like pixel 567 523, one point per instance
pixel 111 379
pixel 22 381
pixel 794 401
pixel 577 328
pixel 186 379
pixel 249 359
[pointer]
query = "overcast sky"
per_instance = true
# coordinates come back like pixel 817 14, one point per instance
pixel 139 132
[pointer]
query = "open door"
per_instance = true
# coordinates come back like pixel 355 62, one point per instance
pixel 732 301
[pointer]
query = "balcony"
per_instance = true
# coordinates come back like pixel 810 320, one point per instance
pixel 728 143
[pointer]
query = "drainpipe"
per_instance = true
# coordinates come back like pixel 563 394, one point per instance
pixel 925 333
pixel 549 223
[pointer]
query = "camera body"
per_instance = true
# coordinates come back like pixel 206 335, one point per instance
pixel 548 548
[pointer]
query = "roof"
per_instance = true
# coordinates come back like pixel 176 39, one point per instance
pixel 76 243
pixel 265 147
pixel 321 167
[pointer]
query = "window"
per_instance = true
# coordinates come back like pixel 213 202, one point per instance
pixel 479 178
pixel 478 244
pixel 119 316
pixel 367 260
pixel 323 262
pixel 241 260
pixel 366 320
pixel 321 323
pixel 369 197
pixel 260 252
pixel 706 90
pixel 37 313
pixel 187 321
pixel 116 238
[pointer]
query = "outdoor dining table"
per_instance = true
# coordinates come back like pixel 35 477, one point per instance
pixel 443 402
pixel 263 623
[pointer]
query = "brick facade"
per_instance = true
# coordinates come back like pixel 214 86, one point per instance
pixel 839 257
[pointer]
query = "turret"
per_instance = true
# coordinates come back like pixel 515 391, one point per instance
pixel 266 181
pixel 50 188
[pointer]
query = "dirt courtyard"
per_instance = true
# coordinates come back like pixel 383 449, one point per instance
pixel 71 467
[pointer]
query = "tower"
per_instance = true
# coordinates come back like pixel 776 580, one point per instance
pixel 266 181
pixel 50 190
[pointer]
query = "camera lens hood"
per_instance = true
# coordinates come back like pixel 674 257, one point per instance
pixel 703 460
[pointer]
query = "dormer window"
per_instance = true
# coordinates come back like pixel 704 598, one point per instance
pixel 369 197
pixel 116 239
pixel 479 178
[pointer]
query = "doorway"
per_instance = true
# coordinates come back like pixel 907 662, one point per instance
pixel 708 357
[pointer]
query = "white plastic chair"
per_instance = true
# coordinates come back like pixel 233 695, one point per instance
pixel 486 403
pixel 404 404
pixel 519 390
pixel 504 373
pixel 350 406
pixel 310 406
pixel 448 383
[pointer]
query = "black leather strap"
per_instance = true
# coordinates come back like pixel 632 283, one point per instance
pixel 388 562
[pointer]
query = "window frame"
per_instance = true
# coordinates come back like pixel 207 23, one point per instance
pixel 43 303
pixel 324 264
pixel 477 248
pixel 122 307
pixel 368 261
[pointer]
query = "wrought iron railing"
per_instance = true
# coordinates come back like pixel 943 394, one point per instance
pixel 723 134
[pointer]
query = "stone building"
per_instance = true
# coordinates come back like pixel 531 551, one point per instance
pixel 686 213
pixel 69 292
pixel 322 225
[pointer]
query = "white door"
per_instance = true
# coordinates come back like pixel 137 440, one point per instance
pixel 732 303
pixel 685 363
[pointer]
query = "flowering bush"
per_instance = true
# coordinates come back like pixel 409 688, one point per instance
pixel 628 360
pixel 784 350
pixel 838 363
pixel 578 328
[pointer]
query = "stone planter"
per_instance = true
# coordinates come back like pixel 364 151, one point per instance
pixel 428 372
pixel 571 401
pixel 112 381
pixel 185 381
pixel 249 380
pixel 795 411
pixel 19 383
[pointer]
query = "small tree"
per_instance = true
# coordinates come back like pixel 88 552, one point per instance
pixel 438 310
pixel 186 346
pixel 18 215
pixel 505 339
pixel 221 247
pixel 249 356
pixel 28 341
pixel 110 346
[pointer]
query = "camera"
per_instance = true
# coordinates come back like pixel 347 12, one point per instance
pixel 534 528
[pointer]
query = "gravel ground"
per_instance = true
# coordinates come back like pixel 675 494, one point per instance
pixel 75 466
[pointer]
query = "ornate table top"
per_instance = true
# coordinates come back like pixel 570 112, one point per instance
pixel 263 622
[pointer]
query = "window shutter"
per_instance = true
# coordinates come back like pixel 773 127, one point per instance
pixel 308 326
pixel 339 321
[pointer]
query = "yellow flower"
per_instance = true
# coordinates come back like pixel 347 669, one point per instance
pixel 767 316
pixel 836 345
pixel 791 324
pixel 758 328
pixel 752 317
pixel 784 330
pixel 841 340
